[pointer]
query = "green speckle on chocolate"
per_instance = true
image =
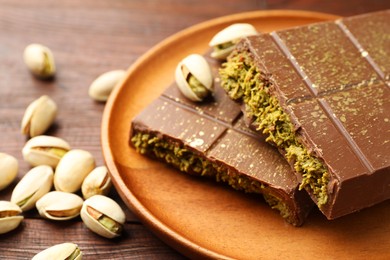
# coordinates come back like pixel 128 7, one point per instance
pixel 244 82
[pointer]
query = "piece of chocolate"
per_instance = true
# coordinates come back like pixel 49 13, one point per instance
pixel 320 93
pixel 208 139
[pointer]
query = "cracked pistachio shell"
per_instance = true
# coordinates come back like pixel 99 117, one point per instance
pixel 9 167
pixel 59 205
pixel 9 216
pixel 193 65
pixel 103 216
pixel 97 182
pixel 45 150
pixel 39 60
pixel 101 87
pixel 72 169
pixel 68 251
pixel 224 41
pixel 39 116
pixel 34 184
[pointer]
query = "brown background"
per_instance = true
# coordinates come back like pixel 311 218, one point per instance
pixel 88 38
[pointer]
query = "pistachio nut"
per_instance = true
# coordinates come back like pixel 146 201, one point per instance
pixel 194 78
pixel 9 216
pixel 34 184
pixel 103 216
pixel 97 182
pixel 9 167
pixel 45 150
pixel 59 205
pixel 72 169
pixel 39 116
pixel 101 87
pixel 39 60
pixel 224 41
pixel 64 251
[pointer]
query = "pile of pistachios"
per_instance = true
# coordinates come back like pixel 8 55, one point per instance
pixel 62 183
pixel 59 172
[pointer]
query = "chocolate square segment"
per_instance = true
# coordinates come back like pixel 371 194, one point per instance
pixel 180 124
pixel 372 35
pixel 334 131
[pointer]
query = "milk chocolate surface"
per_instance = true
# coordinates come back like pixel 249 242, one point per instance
pixel 213 131
pixel 332 80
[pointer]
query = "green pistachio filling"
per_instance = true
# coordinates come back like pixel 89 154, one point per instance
pixel 189 162
pixel 243 82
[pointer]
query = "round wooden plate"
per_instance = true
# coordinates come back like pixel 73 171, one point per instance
pixel 198 217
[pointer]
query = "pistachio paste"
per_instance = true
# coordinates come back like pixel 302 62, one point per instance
pixel 189 162
pixel 242 80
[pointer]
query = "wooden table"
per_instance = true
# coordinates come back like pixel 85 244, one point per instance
pixel 88 38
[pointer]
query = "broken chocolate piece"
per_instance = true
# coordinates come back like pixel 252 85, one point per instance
pixel 320 93
pixel 208 139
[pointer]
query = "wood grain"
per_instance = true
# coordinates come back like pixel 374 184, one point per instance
pixel 88 38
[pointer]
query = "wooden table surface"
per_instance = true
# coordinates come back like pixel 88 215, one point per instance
pixel 88 38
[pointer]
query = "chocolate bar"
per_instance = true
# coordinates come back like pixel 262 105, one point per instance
pixel 208 139
pixel 320 93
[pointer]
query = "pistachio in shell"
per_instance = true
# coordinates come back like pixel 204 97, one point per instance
pixel 45 150
pixel 10 217
pixel 34 184
pixel 194 78
pixel 39 116
pixel 103 216
pixel 225 40
pixel 102 86
pixel 39 60
pixel 97 182
pixel 59 205
pixel 9 167
pixel 72 169
pixel 63 251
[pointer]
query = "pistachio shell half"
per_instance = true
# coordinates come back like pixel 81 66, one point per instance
pixel 64 251
pixel 39 60
pixel 101 87
pixel 103 216
pixel 97 182
pixel 9 167
pixel 38 117
pixel 72 169
pixel 224 41
pixel 9 216
pixel 34 184
pixel 59 205
pixel 194 78
pixel 45 150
